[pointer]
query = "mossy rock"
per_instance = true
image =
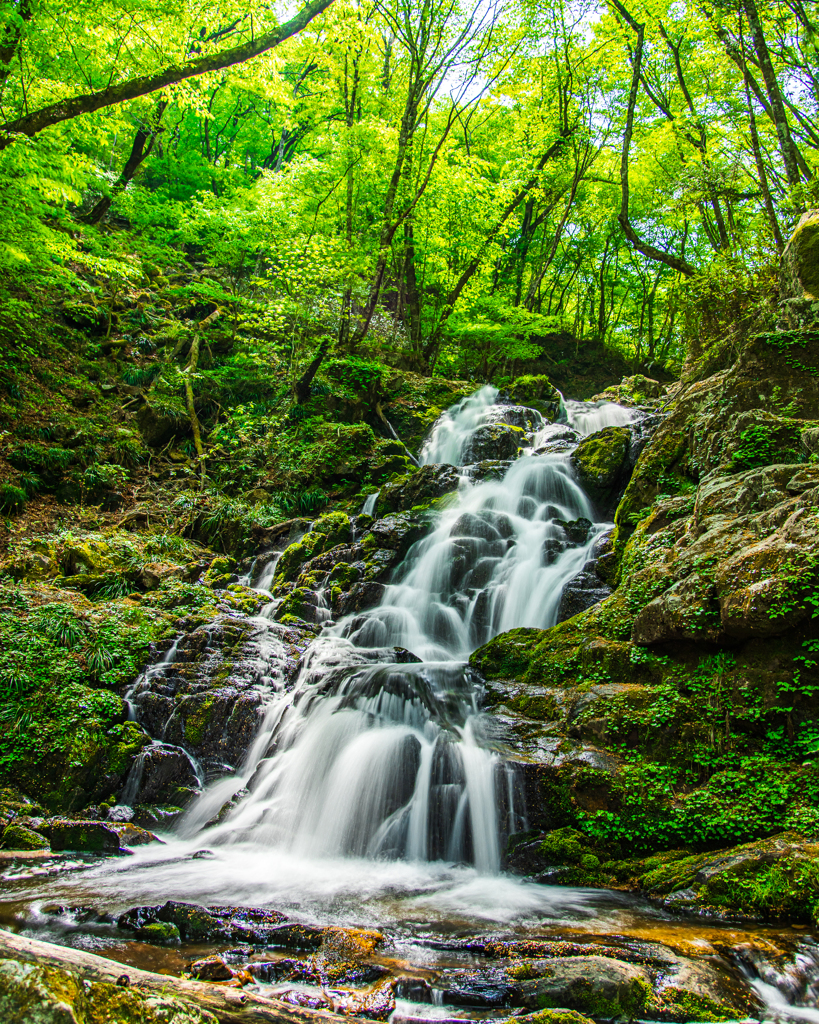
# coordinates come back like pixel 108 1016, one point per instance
pixel 85 316
pixel 557 1016
pixel 601 462
pixel 160 933
pixel 536 392
pixel 18 837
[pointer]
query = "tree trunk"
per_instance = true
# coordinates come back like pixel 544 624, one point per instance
pixel 646 248
pixel 787 146
pixel 306 379
pixel 140 151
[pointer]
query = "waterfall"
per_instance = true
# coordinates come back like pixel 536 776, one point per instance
pixel 378 748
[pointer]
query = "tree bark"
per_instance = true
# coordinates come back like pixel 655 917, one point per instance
pixel 140 151
pixel 230 1005
pixel 787 146
pixel 306 379
pixel 71 107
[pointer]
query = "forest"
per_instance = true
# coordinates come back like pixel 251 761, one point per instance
pixel 409 511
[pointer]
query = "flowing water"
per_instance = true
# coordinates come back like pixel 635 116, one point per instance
pixel 374 792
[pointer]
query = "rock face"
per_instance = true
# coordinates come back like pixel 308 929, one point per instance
pixel 203 699
pixel 707 642
pixel 799 271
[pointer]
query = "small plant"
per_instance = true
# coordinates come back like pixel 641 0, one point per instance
pixel 12 499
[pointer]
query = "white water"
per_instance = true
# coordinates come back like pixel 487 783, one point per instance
pixel 376 752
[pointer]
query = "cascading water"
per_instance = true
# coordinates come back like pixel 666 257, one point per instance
pixel 379 749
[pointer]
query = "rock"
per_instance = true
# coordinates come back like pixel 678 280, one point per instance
pixel 581 592
pixel 160 933
pixel 594 985
pixel 799 267
pixel 30 994
pixel 634 391
pixel 396 532
pixel 601 462
pixel 493 441
pixel 377 1004
pixel 536 392
pixel 420 488
pixel 250 925
pixel 83 836
pixel 212 968
pixel 162 774
pixel 132 835
pixel 18 837
pixel 157 428
pixel 151 817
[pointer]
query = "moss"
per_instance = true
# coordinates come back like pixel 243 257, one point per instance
pixel 600 460
pixel 159 932
pixel 583 996
pixel 536 392
pixel 344 574
pixel 551 1017
pixel 198 719
pixel 681 1005
pixel 18 837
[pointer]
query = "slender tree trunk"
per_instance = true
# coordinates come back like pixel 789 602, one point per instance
pixel 787 146
pixel 306 379
pixel 646 248
pixel 767 198
pixel 140 151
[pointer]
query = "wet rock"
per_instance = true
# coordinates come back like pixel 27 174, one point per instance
pixel 429 483
pixel 490 469
pixel 211 968
pixel 132 835
pixel 577 530
pixel 160 933
pixel 84 836
pixel 358 598
pixel 601 462
pixel 155 817
pixel 536 392
pixel 396 532
pixel 296 997
pixel 162 774
pixel 526 418
pixel 18 837
pixel 376 1004
pixel 581 592
pixel 594 985
pixel 30 994
pixel 196 923
pixel 494 441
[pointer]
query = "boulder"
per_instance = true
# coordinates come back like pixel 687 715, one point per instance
pixel 581 592
pixel 421 488
pixel 536 392
pixel 212 968
pixel 596 985
pixel 601 462
pixel 492 442
pixel 799 267
pixel 18 837
pixel 82 836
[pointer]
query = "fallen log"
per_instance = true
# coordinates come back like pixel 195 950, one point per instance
pixel 229 1005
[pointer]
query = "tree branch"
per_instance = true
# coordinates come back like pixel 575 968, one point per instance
pixel 64 110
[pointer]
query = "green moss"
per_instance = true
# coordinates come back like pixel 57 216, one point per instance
pixel 680 1005
pixel 198 718
pixel 551 1017
pixel 18 837
pixel 600 460
pixel 536 392
pixel 159 932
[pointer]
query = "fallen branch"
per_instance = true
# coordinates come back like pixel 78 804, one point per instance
pixel 230 1005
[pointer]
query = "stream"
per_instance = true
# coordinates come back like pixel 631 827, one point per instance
pixel 376 794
